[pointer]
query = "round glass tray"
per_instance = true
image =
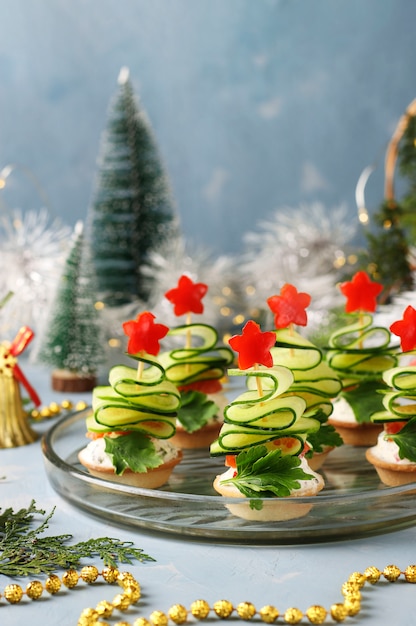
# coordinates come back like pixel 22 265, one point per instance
pixel 353 502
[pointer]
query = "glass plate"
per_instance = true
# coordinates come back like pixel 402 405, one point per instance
pixel 353 503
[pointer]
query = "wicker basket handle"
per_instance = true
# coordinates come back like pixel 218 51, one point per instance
pixel 392 152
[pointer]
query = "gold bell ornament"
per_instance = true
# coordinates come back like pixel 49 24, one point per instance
pixel 15 429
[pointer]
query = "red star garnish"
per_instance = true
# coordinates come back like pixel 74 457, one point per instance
pixel 289 307
pixel 144 335
pixel 253 346
pixel 187 296
pixel 406 329
pixel 361 293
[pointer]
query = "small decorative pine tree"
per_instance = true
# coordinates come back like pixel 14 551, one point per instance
pixel 72 341
pixel 388 251
pixel 389 245
pixel 132 212
pixel 407 168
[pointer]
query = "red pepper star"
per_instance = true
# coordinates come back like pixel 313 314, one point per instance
pixel 187 296
pixel 144 334
pixel 253 346
pixel 406 329
pixel 361 293
pixel 289 307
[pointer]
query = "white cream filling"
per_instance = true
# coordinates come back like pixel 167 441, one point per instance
pixel 95 453
pixel 343 412
pixel 387 450
pixel 305 485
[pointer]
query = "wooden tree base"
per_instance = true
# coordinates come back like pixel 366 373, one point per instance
pixel 66 381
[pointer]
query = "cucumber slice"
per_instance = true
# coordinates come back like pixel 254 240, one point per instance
pixel 382 417
pixel 274 381
pixel 400 404
pixel 294 351
pixel 360 350
pixel 205 361
pixel 358 333
pixel 288 445
pixel 275 413
pixel 165 397
pixel 361 363
pixel 159 429
pixel 114 416
pixel 237 438
pixel 152 375
pixel 403 378
pixel 322 378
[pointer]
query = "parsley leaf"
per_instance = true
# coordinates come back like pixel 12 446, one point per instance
pixel 325 436
pixel 267 474
pixel 135 451
pixel 365 399
pixel 196 410
pixel 406 440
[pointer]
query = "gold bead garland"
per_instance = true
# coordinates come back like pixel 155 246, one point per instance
pixel 200 609
pixel 54 410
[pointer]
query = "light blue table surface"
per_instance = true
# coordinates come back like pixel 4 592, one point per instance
pixel 187 569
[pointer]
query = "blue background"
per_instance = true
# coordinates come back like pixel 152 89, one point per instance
pixel 257 105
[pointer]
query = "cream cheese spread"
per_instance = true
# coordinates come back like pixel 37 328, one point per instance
pixel 343 412
pixel 96 455
pixel 387 450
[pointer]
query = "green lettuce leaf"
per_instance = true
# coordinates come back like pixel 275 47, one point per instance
pixel 406 440
pixel 267 474
pixel 196 410
pixel 134 451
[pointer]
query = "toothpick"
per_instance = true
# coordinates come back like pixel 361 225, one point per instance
pixel 140 367
pixel 291 333
pixel 258 381
pixel 361 323
pixel 188 332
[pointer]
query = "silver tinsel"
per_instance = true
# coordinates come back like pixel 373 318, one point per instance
pixel 223 304
pixel 32 251
pixel 305 247
pixel 166 265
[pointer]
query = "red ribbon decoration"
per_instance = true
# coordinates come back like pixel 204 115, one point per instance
pixel 18 345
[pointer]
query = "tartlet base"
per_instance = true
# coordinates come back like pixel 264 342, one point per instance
pixel 152 479
pixel 357 434
pixel 274 509
pixel 392 474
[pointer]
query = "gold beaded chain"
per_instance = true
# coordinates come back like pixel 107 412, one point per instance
pixel 54 410
pixel 200 609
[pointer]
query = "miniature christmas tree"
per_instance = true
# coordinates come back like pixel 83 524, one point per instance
pixel 407 168
pixel 72 341
pixel 132 209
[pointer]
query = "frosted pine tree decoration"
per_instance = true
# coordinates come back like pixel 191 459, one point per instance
pixel 132 211
pixel 73 345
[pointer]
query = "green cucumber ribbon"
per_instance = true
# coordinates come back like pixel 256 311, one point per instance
pixel 400 405
pixel 148 405
pixel 360 350
pixel 206 361
pixel 294 351
pixel 313 379
pixel 400 401
pixel 253 419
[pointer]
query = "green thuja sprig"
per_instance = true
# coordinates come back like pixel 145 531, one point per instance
pixel 25 551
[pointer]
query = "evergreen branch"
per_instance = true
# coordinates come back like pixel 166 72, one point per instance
pixel 24 552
